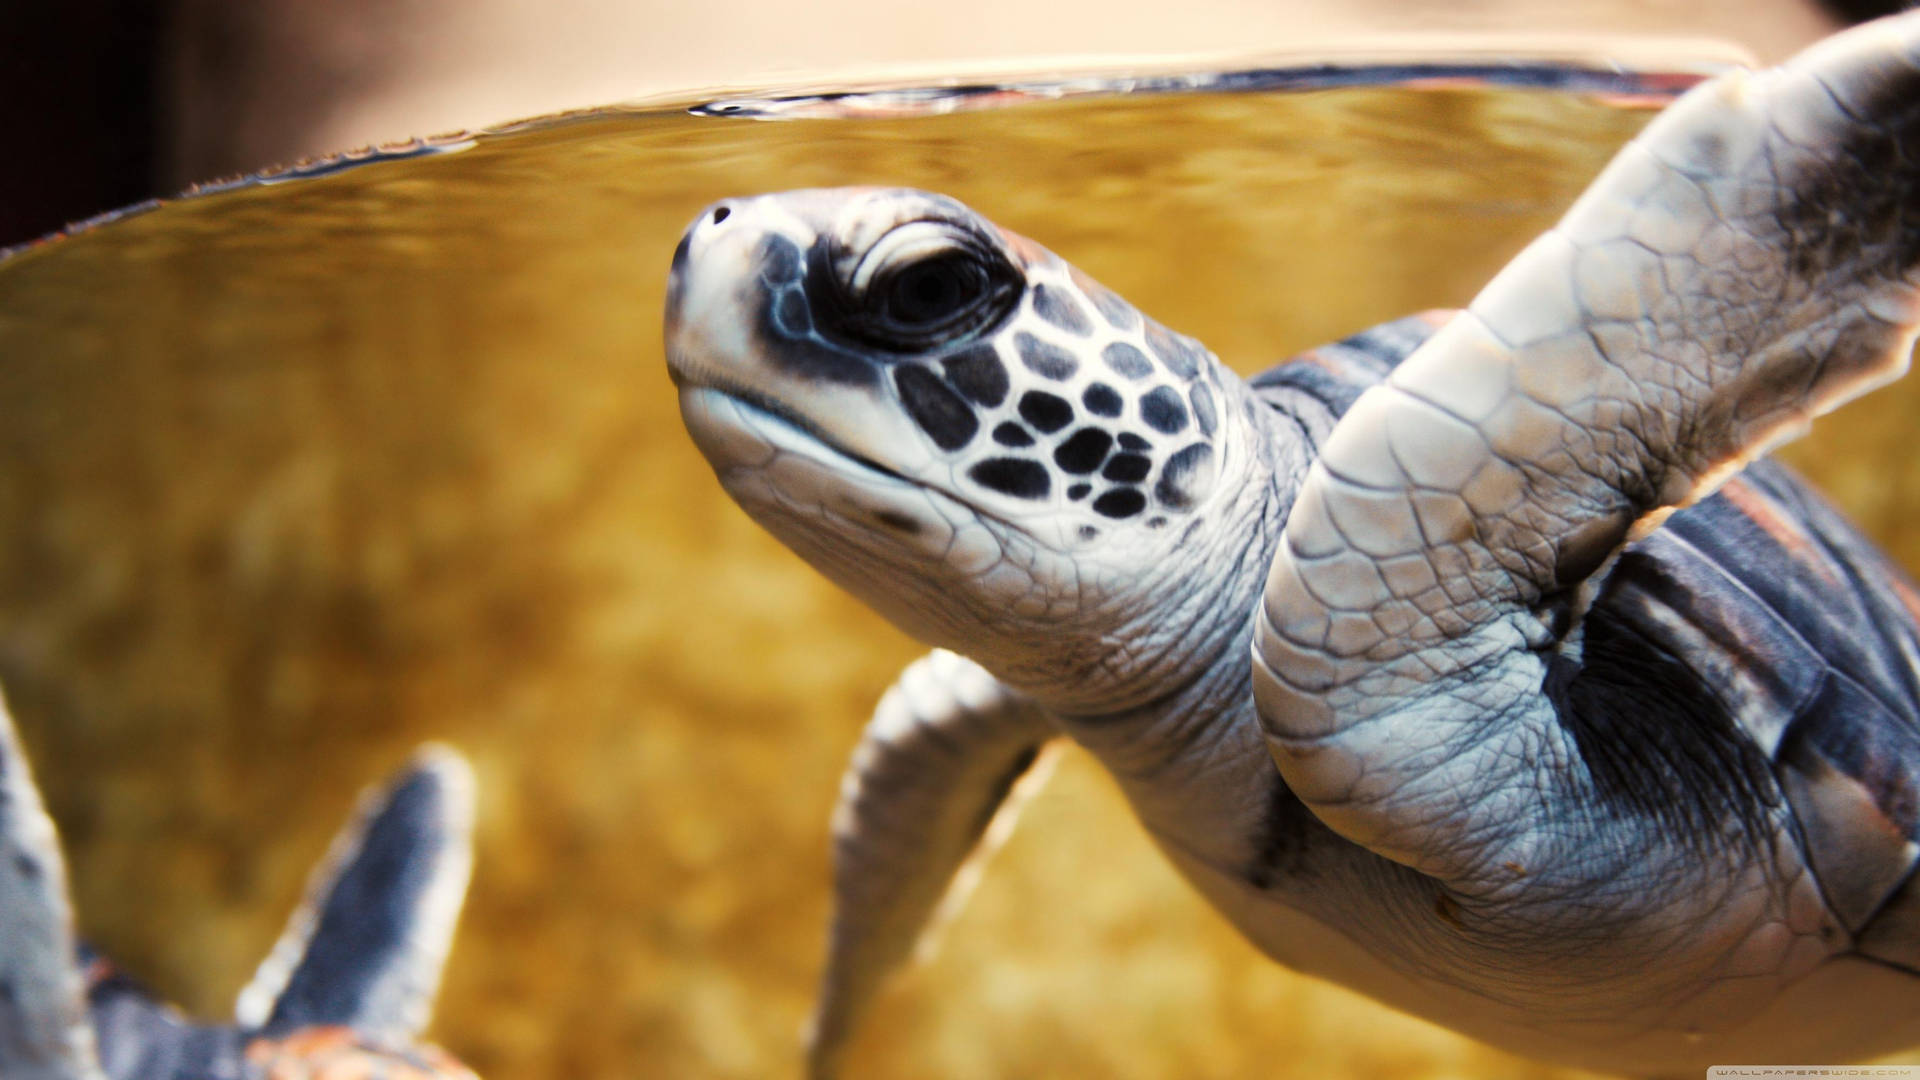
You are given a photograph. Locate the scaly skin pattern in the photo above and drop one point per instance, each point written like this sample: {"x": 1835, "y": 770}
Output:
{"x": 935, "y": 785}
{"x": 1412, "y": 683}
{"x": 1747, "y": 263}
{"x": 1750, "y": 261}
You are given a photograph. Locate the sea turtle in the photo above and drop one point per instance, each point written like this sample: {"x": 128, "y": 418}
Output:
{"x": 1463, "y": 666}
{"x": 344, "y": 995}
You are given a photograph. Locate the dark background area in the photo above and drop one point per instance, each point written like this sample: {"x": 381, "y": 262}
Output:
{"x": 79, "y": 111}
{"x": 97, "y": 97}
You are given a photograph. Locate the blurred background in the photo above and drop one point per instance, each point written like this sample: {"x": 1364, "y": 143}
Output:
{"x": 295, "y": 476}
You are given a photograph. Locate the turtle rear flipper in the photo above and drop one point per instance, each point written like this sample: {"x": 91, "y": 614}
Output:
{"x": 1748, "y": 262}
{"x": 366, "y": 948}
{"x": 45, "y": 1033}
{"x": 935, "y": 786}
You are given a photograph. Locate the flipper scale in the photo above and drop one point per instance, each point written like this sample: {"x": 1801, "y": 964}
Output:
{"x": 1749, "y": 262}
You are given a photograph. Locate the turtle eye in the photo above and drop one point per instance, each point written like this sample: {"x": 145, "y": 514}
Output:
{"x": 932, "y": 291}
{"x": 924, "y": 285}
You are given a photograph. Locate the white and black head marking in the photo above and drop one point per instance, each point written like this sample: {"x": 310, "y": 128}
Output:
{"x": 902, "y": 330}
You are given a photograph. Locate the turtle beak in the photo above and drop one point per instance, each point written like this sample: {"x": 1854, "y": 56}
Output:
{"x": 707, "y": 300}
{"x": 740, "y": 320}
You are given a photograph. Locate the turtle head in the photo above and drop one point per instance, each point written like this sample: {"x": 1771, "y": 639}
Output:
{"x": 997, "y": 453}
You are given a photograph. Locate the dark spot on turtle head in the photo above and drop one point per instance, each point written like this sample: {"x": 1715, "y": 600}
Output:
{"x": 1045, "y": 411}
{"x": 1120, "y": 503}
{"x": 1127, "y": 468}
{"x": 790, "y": 311}
{"x": 1083, "y": 451}
{"x": 1059, "y": 309}
{"x": 1156, "y": 522}
{"x": 27, "y": 867}
{"x": 1088, "y": 532}
{"x": 978, "y": 374}
{"x": 1118, "y": 313}
{"x": 779, "y": 260}
{"x": 897, "y": 521}
{"x": 1018, "y": 477}
{"x": 1079, "y": 491}
{"x": 1043, "y": 359}
{"x": 1163, "y": 411}
{"x": 1126, "y": 360}
{"x": 784, "y": 323}
{"x": 1181, "y": 355}
{"x": 1187, "y": 478}
{"x": 1130, "y": 441}
{"x": 680, "y": 253}
{"x": 1203, "y": 413}
{"x": 1102, "y": 400}
{"x": 939, "y": 411}
{"x": 1012, "y": 434}
{"x": 721, "y": 213}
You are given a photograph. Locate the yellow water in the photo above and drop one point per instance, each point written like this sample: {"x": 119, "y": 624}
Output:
{"x": 293, "y": 477}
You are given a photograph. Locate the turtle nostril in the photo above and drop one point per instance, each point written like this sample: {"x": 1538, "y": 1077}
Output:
{"x": 720, "y": 213}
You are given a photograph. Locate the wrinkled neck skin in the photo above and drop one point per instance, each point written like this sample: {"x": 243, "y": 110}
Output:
{"x": 1166, "y": 704}
{"x": 1163, "y": 629}
{"x": 1186, "y": 747}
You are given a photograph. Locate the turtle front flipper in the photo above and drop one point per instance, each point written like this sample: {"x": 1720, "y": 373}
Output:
{"x": 936, "y": 783}
{"x": 45, "y": 1033}
{"x": 1748, "y": 262}
{"x": 366, "y": 948}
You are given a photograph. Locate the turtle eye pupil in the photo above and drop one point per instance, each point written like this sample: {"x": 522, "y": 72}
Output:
{"x": 924, "y": 284}
{"x": 932, "y": 291}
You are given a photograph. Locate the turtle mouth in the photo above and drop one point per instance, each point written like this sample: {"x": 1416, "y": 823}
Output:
{"x": 762, "y": 410}
{"x": 784, "y": 429}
